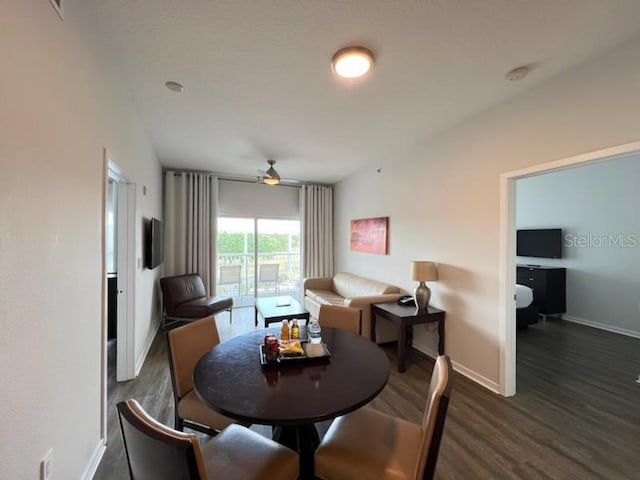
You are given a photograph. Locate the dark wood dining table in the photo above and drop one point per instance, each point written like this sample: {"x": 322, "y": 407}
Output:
{"x": 291, "y": 397}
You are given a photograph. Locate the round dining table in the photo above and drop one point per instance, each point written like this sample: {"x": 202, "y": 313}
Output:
{"x": 291, "y": 396}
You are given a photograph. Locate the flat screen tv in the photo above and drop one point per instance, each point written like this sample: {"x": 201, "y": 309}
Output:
{"x": 543, "y": 243}
{"x": 154, "y": 244}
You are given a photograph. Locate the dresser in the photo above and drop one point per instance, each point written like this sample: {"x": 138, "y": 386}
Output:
{"x": 548, "y": 285}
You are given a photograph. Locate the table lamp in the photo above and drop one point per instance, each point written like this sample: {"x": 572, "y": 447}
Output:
{"x": 421, "y": 272}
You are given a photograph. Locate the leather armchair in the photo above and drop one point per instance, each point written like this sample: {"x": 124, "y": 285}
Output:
{"x": 184, "y": 298}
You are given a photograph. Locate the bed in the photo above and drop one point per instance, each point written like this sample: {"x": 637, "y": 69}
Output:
{"x": 526, "y": 308}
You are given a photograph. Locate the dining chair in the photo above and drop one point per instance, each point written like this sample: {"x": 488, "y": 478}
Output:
{"x": 185, "y": 346}
{"x": 337, "y": 316}
{"x": 371, "y": 444}
{"x": 157, "y": 452}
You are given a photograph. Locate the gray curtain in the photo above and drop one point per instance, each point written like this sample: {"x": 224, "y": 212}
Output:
{"x": 317, "y": 230}
{"x": 190, "y": 206}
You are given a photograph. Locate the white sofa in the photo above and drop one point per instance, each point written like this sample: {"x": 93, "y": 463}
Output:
{"x": 353, "y": 291}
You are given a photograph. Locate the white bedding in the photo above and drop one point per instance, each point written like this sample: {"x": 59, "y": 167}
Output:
{"x": 524, "y": 296}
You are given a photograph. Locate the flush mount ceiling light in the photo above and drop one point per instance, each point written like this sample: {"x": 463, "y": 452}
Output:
{"x": 352, "y": 62}
{"x": 174, "y": 86}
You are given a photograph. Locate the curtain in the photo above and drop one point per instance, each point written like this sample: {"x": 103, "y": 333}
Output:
{"x": 317, "y": 230}
{"x": 190, "y": 232}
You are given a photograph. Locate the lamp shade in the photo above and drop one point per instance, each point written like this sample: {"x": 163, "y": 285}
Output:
{"x": 423, "y": 271}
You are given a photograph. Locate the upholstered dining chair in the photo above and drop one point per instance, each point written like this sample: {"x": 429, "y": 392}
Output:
{"x": 337, "y": 316}
{"x": 371, "y": 444}
{"x": 157, "y": 452}
{"x": 185, "y": 346}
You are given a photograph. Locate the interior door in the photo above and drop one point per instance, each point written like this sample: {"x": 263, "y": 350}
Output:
{"x": 125, "y": 347}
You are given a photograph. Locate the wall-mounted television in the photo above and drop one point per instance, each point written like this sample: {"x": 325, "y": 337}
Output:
{"x": 543, "y": 243}
{"x": 153, "y": 243}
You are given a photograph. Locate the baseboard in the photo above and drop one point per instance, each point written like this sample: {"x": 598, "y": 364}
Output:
{"x": 430, "y": 352}
{"x": 476, "y": 377}
{"x": 146, "y": 349}
{"x": 461, "y": 369}
{"x": 91, "y": 469}
{"x": 601, "y": 326}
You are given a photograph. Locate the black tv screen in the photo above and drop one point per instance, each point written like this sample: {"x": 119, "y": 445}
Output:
{"x": 154, "y": 245}
{"x": 543, "y": 243}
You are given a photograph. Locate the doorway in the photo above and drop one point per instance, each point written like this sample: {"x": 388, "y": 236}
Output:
{"x": 119, "y": 209}
{"x": 508, "y": 250}
{"x": 258, "y": 257}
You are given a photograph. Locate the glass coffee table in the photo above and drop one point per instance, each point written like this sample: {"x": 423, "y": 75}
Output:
{"x": 276, "y": 309}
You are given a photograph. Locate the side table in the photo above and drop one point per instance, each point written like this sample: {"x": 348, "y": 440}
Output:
{"x": 404, "y": 317}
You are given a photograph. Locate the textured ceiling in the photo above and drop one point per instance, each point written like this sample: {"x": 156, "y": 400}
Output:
{"x": 258, "y": 83}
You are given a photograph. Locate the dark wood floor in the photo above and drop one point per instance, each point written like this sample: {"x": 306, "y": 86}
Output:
{"x": 576, "y": 414}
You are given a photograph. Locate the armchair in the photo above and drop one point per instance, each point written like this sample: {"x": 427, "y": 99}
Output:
{"x": 185, "y": 299}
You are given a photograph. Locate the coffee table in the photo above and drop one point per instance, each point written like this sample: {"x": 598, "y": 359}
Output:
{"x": 276, "y": 309}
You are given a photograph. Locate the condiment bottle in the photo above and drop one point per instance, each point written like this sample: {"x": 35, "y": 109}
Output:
{"x": 295, "y": 330}
{"x": 284, "y": 333}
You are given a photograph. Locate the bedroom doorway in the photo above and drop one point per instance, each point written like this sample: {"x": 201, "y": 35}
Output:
{"x": 508, "y": 249}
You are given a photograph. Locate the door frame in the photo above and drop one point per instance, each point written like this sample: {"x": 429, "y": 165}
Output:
{"x": 126, "y": 316}
{"x": 507, "y": 254}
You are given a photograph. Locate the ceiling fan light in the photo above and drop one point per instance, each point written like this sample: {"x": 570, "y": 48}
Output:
{"x": 271, "y": 176}
{"x": 352, "y": 62}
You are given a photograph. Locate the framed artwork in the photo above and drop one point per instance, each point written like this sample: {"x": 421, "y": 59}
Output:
{"x": 369, "y": 235}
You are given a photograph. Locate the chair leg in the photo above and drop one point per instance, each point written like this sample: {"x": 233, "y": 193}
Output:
{"x": 230, "y": 315}
{"x": 179, "y": 424}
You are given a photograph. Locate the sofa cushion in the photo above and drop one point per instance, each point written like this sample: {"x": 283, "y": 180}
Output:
{"x": 349, "y": 285}
{"x": 181, "y": 288}
{"x": 329, "y": 298}
{"x": 202, "y": 307}
{"x": 322, "y": 296}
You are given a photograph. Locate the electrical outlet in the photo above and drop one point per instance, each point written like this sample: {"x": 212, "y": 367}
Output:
{"x": 46, "y": 466}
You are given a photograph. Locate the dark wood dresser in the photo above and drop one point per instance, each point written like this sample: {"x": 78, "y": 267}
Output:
{"x": 548, "y": 285}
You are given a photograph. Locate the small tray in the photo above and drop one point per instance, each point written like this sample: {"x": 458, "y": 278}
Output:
{"x": 324, "y": 353}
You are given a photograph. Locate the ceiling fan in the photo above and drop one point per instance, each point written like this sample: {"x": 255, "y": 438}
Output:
{"x": 270, "y": 177}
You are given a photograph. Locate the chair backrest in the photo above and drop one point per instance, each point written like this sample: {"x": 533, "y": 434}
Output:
{"x": 435, "y": 414}
{"x": 155, "y": 451}
{"x": 268, "y": 272}
{"x": 179, "y": 289}
{"x": 336, "y": 316}
{"x": 186, "y": 345}
{"x": 230, "y": 275}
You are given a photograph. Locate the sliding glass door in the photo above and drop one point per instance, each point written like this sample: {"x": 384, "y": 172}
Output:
{"x": 258, "y": 257}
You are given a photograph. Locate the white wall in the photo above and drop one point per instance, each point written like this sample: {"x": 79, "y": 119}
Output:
{"x": 590, "y": 203}
{"x": 442, "y": 196}
{"x": 58, "y": 109}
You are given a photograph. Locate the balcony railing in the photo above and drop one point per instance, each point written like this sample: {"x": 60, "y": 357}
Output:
{"x": 288, "y": 282}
